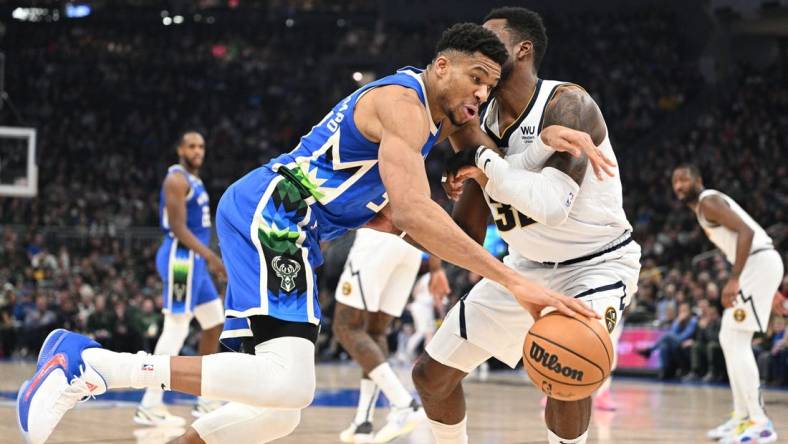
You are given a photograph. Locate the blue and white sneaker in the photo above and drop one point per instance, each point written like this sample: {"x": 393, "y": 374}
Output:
{"x": 61, "y": 380}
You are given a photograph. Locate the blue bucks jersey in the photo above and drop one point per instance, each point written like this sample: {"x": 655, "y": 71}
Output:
{"x": 198, "y": 210}
{"x": 339, "y": 166}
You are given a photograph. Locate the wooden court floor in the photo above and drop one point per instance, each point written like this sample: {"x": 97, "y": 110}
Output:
{"x": 504, "y": 409}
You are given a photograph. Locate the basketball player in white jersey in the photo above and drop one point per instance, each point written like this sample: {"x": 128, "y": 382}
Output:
{"x": 565, "y": 227}
{"x": 372, "y": 291}
{"x": 756, "y": 273}
{"x": 183, "y": 261}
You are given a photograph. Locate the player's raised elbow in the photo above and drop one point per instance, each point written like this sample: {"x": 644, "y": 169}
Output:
{"x": 408, "y": 215}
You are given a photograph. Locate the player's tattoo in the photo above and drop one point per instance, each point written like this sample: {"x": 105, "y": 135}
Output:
{"x": 573, "y": 108}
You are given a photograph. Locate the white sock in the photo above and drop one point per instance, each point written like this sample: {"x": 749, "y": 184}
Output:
{"x": 552, "y": 438}
{"x": 125, "y": 370}
{"x": 367, "y": 397}
{"x": 173, "y": 335}
{"x": 391, "y": 386}
{"x": 448, "y": 433}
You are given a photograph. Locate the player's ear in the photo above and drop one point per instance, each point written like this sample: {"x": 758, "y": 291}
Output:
{"x": 441, "y": 65}
{"x": 524, "y": 49}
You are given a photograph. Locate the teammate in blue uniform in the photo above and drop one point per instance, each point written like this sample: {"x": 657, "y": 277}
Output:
{"x": 363, "y": 164}
{"x": 183, "y": 262}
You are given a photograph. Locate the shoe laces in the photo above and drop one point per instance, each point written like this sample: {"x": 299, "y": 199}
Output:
{"x": 743, "y": 426}
{"x": 77, "y": 391}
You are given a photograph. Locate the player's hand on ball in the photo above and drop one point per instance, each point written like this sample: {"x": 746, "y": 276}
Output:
{"x": 535, "y": 298}
{"x": 729, "y": 292}
{"x": 561, "y": 138}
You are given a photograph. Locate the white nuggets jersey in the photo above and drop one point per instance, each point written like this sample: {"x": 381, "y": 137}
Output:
{"x": 724, "y": 238}
{"x": 597, "y": 218}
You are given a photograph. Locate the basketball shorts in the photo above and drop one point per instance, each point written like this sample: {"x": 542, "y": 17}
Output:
{"x": 379, "y": 273}
{"x": 758, "y": 283}
{"x": 269, "y": 243}
{"x": 186, "y": 281}
{"x": 488, "y": 321}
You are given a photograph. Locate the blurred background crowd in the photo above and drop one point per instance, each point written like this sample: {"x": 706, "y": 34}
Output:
{"x": 109, "y": 94}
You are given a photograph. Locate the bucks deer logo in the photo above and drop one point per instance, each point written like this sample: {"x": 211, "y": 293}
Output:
{"x": 286, "y": 269}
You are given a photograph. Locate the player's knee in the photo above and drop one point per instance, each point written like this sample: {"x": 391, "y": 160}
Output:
{"x": 347, "y": 319}
{"x": 293, "y": 390}
{"x": 430, "y": 380}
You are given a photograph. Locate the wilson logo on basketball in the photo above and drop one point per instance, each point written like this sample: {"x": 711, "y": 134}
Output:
{"x": 550, "y": 362}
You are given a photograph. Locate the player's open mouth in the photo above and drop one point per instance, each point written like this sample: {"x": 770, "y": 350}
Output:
{"x": 470, "y": 111}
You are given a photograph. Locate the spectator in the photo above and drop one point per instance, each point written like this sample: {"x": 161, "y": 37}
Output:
{"x": 773, "y": 361}
{"x": 706, "y": 360}
{"x": 673, "y": 346}
{"x": 101, "y": 323}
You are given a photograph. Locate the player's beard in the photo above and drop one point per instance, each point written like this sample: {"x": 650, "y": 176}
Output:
{"x": 190, "y": 164}
{"x": 691, "y": 196}
{"x": 506, "y": 70}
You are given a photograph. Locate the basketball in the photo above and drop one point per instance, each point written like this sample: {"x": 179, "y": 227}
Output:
{"x": 567, "y": 358}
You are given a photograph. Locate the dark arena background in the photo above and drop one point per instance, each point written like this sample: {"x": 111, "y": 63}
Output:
{"x": 96, "y": 94}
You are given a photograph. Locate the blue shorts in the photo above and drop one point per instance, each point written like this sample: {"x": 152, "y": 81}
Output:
{"x": 270, "y": 247}
{"x": 185, "y": 276}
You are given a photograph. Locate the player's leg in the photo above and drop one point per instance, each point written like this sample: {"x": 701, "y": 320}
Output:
{"x": 236, "y": 422}
{"x": 405, "y": 413}
{"x": 209, "y": 313}
{"x": 349, "y": 327}
{"x": 487, "y": 322}
{"x": 607, "y": 285}
{"x": 603, "y": 400}
{"x": 174, "y": 264}
{"x": 441, "y": 393}
{"x": 280, "y": 375}
{"x": 750, "y": 312}
{"x": 151, "y": 410}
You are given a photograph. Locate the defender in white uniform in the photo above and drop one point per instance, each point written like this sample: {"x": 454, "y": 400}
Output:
{"x": 756, "y": 273}
{"x": 565, "y": 227}
{"x": 373, "y": 289}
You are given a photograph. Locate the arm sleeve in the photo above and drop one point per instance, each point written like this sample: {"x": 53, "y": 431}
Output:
{"x": 546, "y": 196}
{"x": 533, "y": 158}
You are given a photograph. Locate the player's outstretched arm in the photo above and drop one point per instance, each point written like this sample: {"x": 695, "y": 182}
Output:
{"x": 176, "y": 188}
{"x": 403, "y": 130}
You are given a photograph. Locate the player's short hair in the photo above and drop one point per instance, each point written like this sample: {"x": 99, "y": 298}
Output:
{"x": 469, "y": 38}
{"x": 527, "y": 25}
{"x": 182, "y": 136}
{"x": 691, "y": 168}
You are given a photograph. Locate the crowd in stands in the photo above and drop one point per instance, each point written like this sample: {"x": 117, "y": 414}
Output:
{"x": 108, "y": 99}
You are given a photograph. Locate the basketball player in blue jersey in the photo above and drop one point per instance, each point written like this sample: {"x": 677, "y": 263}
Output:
{"x": 183, "y": 261}
{"x": 363, "y": 164}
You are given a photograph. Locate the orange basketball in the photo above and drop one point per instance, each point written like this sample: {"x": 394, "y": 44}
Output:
{"x": 567, "y": 358}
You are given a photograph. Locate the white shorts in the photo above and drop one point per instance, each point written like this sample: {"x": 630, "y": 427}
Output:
{"x": 379, "y": 273}
{"x": 759, "y": 281}
{"x": 488, "y": 321}
{"x": 209, "y": 314}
